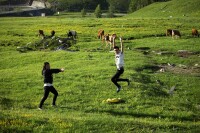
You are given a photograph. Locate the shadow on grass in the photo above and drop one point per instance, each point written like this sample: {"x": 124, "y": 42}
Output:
{"x": 150, "y": 87}
{"x": 132, "y": 114}
{"x": 145, "y": 115}
{"x": 6, "y": 103}
{"x": 136, "y": 114}
{"x": 148, "y": 68}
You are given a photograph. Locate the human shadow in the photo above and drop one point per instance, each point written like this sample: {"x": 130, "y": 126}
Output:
{"x": 149, "y": 85}
{"x": 6, "y": 103}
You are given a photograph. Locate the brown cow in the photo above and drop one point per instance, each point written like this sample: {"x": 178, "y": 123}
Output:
{"x": 100, "y": 34}
{"x": 195, "y": 32}
{"x": 169, "y": 32}
{"x": 176, "y": 33}
{"x": 41, "y": 33}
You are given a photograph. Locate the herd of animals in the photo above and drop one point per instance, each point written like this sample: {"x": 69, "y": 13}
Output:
{"x": 173, "y": 33}
{"x": 110, "y": 38}
{"x": 71, "y": 34}
{"x": 63, "y": 42}
{"x": 169, "y": 32}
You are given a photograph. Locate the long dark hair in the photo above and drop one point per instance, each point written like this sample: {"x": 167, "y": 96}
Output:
{"x": 44, "y": 66}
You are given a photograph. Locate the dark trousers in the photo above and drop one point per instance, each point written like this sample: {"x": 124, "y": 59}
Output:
{"x": 48, "y": 89}
{"x": 116, "y": 78}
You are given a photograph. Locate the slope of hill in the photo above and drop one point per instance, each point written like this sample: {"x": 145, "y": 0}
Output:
{"x": 174, "y": 8}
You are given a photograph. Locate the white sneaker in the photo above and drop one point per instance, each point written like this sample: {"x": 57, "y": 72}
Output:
{"x": 53, "y": 106}
{"x": 39, "y": 108}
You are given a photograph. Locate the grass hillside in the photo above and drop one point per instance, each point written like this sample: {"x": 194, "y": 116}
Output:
{"x": 163, "y": 96}
{"x": 173, "y": 8}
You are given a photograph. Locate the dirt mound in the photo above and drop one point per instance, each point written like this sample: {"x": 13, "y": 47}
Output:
{"x": 167, "y": 67}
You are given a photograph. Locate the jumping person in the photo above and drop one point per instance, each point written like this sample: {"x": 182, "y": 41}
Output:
{"x": 119, "y": 61}
{"x": 48, "y": 86}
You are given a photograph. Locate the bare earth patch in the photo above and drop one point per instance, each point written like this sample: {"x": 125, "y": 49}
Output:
{"x": 181, "y": 69}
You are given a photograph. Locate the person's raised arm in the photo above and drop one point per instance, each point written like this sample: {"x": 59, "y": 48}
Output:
{"x": 122, "y": 49}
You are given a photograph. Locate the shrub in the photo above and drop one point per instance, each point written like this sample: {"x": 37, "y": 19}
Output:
{"x": 83, "y": 12}
{"x": 98, "y": 12}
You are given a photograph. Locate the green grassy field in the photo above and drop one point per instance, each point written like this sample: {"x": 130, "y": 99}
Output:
{"x": 170, "y": 9}
{"x": 85, "y": 84}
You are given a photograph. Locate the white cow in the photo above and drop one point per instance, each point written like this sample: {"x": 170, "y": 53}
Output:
{"x": 72, "y": 34}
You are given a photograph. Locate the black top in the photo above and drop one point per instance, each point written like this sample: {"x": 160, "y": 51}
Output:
{"x": 48, "y": 77}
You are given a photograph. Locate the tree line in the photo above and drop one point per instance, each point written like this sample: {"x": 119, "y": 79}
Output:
{"x": 91, "y": 5}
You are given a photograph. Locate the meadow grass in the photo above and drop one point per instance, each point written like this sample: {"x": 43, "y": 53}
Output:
{"x": 170, "y": 9}
{"x": 86, "y": 81}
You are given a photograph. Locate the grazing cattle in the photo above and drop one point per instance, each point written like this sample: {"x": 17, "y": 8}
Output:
{"x": 100, "y": 34}
{"x": 72, "y": 34}
{"x": 169, "y": 32}
{"x": 52, "y": 33}
{"x": 195, "y": 33}
{"x": 41, "y": 33}
{"x": 110, "y": 40}
{"x": 176, "y": 33}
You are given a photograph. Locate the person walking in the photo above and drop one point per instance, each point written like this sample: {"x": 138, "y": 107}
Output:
{"x": 48, "y": 83}
{"x": 119, "y": 61}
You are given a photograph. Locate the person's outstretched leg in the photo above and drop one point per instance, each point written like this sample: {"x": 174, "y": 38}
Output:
{"x": 124, "y": 80}
{"x": 53, "y": 90}
{"x": 46, "y": 93}
{"x": 115, "y": 78}
{"x": 121, "y": 79}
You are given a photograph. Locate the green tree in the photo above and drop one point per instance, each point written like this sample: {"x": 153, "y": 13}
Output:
{"x": 83, "y": 12}
{"x": 119, "y": 5}
{"x": 12, "y": 2}
{"x": 138, "y": 4}
{"x": 132, "y": 6}
{"x": 98, "y": 12}
{"x": 111, "y": 11}
{"x": 3, "y": 1}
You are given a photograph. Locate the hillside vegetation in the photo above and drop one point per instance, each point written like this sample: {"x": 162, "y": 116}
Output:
{"x": 173, "y": 8}
{"x": 163, "y": 96}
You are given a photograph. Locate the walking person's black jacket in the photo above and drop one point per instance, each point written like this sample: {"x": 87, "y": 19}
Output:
{"x": 48, "y": 77}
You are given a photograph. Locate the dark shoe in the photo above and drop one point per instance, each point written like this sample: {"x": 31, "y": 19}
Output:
{"x": 128, "y": 82}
